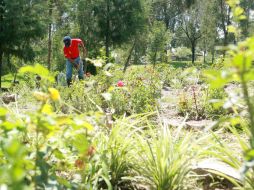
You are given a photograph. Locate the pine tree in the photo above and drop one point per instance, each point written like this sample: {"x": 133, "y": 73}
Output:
{"x": 115, "y": 21}
{"x": 20, "y": 25}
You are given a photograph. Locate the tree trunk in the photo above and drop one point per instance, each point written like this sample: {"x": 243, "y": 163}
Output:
{"x": 49, "y": 45}
{"x": 129, "y": 57}
{"x": 1, "y": 61}
{"x": 193, "y": 49}
{"x": 15, "y": 77}
{"x": 213, "y": 55}
{"x": 204, "y": 56}
{"x": 50, "y": 35}
{"x": 154, "y": 58}
{"x": 107, "y": 34}
{"x": 1, "y": 31}
{"x": 205, "y": 50}
{"x": 223, "y": 15}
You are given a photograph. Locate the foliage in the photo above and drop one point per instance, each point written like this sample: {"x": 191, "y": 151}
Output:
{"x": 144, "y": 87}
{"x": 238, "y": 68}
{"x": 112, "y": 164}
{"x": 23, "y": 16}
{"x": 159, "y": 40}
{"x": 182, "y": 53}
{"x": 165, "y": 159}
{"x": 36, "y": 146}
{"x": 138, "y": 94}
{"x": 201, "y": 103}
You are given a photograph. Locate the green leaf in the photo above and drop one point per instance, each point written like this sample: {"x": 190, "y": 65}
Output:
{"x": 81, "y": 143}
{"x": 249, "y": 155}
{"x": 58, "y": 154}
{"x": 3, "y": 113}
{"x": 63, "y": 181}
{"x": 37, "y": 69}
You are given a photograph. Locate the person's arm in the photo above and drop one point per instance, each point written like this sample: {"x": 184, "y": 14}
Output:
{"x": 84, "y": 48}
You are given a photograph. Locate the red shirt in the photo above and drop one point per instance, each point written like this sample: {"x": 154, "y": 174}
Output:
{"x": 72, "y": 51}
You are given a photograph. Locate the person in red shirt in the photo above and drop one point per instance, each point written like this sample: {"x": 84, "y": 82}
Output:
{"x": 71, "y": 53}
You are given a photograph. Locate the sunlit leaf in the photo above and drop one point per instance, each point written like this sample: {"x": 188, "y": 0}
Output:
{"x": 58, "y": 154}
{"x": 3, "y": 113}
{"x": 41, "y": 96}
{"x": 54, "y": 94}
{"x": 111, "y": 88}
{"x": 47, "y": 109}
{"x": 108, "y": 74}
{"x": 63, "y": 120}
{"x": 232, "y": 29}
{"x": 88, "y": 125}
{"x": 37, "y": 69}
{"x": 80, "y": 142}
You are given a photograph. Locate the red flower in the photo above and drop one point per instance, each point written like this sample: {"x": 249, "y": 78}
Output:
{"x": 120, "y": 83}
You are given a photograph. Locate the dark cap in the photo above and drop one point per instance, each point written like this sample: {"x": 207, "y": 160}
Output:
{"x": 67, "y": 41}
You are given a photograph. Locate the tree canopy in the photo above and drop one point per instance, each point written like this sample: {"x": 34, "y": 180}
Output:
{"x": 34, "y": 29}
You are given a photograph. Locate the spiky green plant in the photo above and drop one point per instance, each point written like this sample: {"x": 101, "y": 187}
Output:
{"x": 112, "y": 165}
{"x": 165, "y": 158}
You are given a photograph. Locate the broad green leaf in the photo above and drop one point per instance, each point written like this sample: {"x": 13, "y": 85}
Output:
{"x": 63, "y": 120}
{"x": 249, "y": 155}
{"x": 47, "y": 109}
{"x": 232, "y": 29}
{"x": 3, "y": 113}
{"x": 58, "y": 154}
{"x": 80, "y": 142}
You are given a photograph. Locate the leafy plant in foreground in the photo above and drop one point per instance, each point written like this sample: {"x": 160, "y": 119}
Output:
{"x": 165, "y": 159}
{"x": 111, "y": 166}
{"x": 239, "y": 68}
{"x": 37, "y": 148}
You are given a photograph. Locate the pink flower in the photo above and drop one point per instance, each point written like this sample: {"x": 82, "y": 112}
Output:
{"x": 120, "y": 83}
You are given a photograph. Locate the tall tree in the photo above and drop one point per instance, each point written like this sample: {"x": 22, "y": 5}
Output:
{"x": 248, "y": 6}
{"x": 117, "y": 21}
{"x": 224, "y": 20}
{"x": 55, "y": 14}
{"x": 167, "y": 11}
{"x": 159, "y": 39}
{"x": 208, "y": 27}
{"x": 50, "y": 12}
{"x": 20, "y": 25}
{"x": 190, "y": 24}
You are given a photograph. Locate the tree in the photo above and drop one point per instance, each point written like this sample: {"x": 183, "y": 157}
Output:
{"x": 159, "y": 39}
{"x": 190, "y": 24}
{"x": 56, "y": 11}
{"x": 116, "y": 21}
{"x": 20, "y": 25}
{"x": 224, "y": 20}
{"x": 208, "y": 27}
{"x": 167, "y": 11}
{"x": 248, "y": 6}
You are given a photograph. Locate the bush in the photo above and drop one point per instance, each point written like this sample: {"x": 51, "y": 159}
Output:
{"x": 183, "y": 53}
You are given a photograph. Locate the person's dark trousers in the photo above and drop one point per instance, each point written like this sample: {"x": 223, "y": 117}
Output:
{"x": 69, "y": 67}
{"x": 68, "y": 82}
